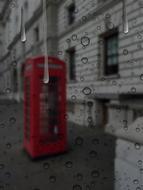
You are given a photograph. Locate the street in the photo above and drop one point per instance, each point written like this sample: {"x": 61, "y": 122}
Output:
{"x": 88, "y": 164}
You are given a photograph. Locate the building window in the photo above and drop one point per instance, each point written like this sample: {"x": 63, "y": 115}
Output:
{"x": 111, "y": 52}
{"x": 71, "y": 63}
{"x": 71, "y": 13}
{"x": 36, "y": 34}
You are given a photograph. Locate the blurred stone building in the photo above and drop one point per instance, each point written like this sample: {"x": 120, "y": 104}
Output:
{"x": 104, "y": 65}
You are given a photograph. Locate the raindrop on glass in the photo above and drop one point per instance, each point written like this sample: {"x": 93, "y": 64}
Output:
{"x": 95, "y": 141}
{"x": 2, "y": 125}
{"x": 85, "y": 41}
{"x": 140, "y": 162}
{"x": 79, "y": 176}
{"x": 84, "y": 60}
{"x": 8, "y": 174}
{"x": 125, "y": 20}
{"x": 23, "y": 33}
{"x": 93, "y": 154}
{"x": 137, "y": 146}
{"x": 7, "y": 90}
{"x": 46, "y": 165}
{"x": 2, "y": 166}
{"x": 74, "y": 37}
{"x": 125, "y": 52}
{"x": 12, "y": 120}
{"x": 52, "y": 179}
{"x": 133, "y": 90}
{"x": 135, "y": 181}
{"x": 8, "y": 145}
{"x": 69, "y": 164}
{"x": 79, "y": 141}
{"x": 86, "y": 91}
{"x": 77, "y": 187}
{"x": 73, "y": 98}
{"x": 95, "y": 174}
{"x": 141, "y": 77}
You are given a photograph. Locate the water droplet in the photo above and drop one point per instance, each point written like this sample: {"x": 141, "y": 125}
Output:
{"x": 84, "y": 60}
{"x": 23, "y": 33}
{"x": 93, "y": 154}
{"x": 8, "y": 145}
{"x": 137, "y": 146}
{"x": 84, "y": 18}
{"x": 79, "y": 176}
{"x": 69, "y": 164}
{"x": 137, "y": 129}
{"x": 7, "y": 90}
{"x": 2, "y": 166}
{"x": 77, "y": 187}
{"x": 68, "y": 40}
{"x": 86, "y": 91}
{"x": 12, "y": 120}
{"x": 133, "y": 90}
{"x": 89, "y": 119}
{"x": 125, "y": 52}
{"x": 95, "y": 141}
{"x": 8, "y": 174}
{"x": 138, "y": 188}
{"x": 87, "y": 187}
{"x": 14, "y": 63}
{"x": 85, "y": 41}
{"x": 79, "y": 141}
{"x": 2, "y": 125}
{"x": 46, "y": 71}
{"x": 141, "y": 170}
{"x": 82, "y": 78}
{"x": 135, "y": 181}
{"x": 114, "y": 82}
{"x": 73, "y": 98}
{"x": 141, "y": 76}
{"x": 140, "y": 162}
{"x": 52, "y": 179}
{"x": 107, "y": 15}
{"x": 125, "y": 20}
{"x": 74, "y": 37}
{"x": 95, "y": 173}
{"x": 46, "y": 165}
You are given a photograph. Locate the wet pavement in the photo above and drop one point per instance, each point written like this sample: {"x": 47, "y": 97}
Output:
{"x": 88, "y": 164}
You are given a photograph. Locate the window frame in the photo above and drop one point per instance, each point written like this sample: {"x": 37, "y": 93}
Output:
{"x": 70, "y": 13}
{"x": 105, "y": 36}
{"x": 69, "y": 52}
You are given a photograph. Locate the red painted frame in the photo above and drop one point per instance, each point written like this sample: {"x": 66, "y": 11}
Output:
{"x": 33, "y": 73}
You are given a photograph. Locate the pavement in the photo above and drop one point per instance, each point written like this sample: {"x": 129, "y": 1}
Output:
{"x": 88, "y": 164}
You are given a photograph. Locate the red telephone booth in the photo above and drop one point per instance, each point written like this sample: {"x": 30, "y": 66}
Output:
{"x": 44, "y": 108}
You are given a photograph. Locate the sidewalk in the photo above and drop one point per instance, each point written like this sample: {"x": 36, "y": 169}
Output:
{"x": 88, "y": 165}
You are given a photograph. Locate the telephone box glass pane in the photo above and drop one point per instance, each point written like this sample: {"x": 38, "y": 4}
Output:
{"x": 49, "y": 110}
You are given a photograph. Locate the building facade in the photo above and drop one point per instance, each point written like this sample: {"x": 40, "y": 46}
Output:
{"x": 104, "y": 65}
